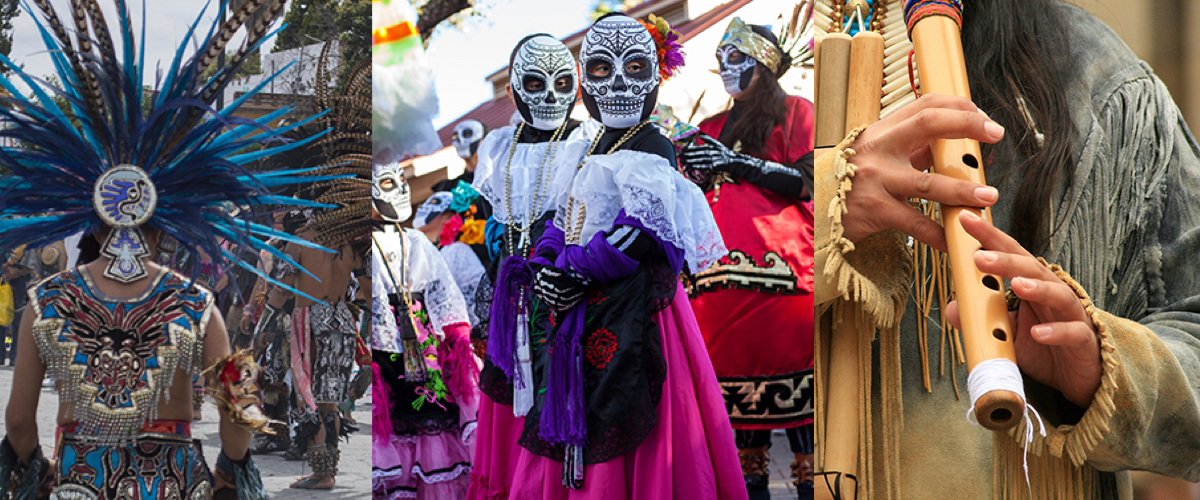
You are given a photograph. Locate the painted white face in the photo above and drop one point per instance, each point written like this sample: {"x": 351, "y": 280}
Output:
{"x": 736, "y": 69}
{"x": 390, "y": 193}
{"x": 467, "y": 135}
{"x": 544, "y": 82}
{"x": 620, "y": 72}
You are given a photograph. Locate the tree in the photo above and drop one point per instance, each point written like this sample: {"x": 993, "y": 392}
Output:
{"x": 602, "y": 7}
{"x": 431, "y": 13}
{"x": 308, "y": 22}
{"x": 354, "y": 22}
{"x": 9, "y": 9}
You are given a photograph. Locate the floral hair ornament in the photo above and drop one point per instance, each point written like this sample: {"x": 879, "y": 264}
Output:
{"x": 670, "y": 50}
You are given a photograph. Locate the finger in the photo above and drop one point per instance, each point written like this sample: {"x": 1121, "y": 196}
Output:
{"x": 989, "y": 236}
{"x": 908, "y": 220}
{"x": 931, "y": 101}
{"x": 952, "y": 314}
{"x": 1064, "y": 334}
{"x": 1052, "y": 296}
{"x": 939, "y": 188}
{"x": 1011, "y": 266}
{"x": 921, "y": 159}
{"x": 929, "y": 124}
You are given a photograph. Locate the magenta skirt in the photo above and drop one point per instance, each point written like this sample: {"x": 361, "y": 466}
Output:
{"x": 689, "y": 455}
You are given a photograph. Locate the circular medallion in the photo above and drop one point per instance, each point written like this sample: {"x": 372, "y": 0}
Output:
{"x": 124, "y": 196}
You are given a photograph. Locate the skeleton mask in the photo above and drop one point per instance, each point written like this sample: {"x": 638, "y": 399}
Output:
{"x": 620, "y": 72}
{"x": 467, "y": 135}
{"x": 736, "y": 69}
{"x": 393, "y": 201}
{"x": 544, "y": 81}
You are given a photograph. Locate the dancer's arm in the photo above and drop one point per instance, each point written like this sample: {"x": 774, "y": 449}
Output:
{"x": 20, "y": 417}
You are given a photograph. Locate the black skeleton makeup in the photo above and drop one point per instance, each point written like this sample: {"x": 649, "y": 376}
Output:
{"x": 620, "y": 72}
{"x": 544, "y": 81}
{"x": 467, "y": 135}
{"x": 389, "y": 192}
{"x": 737, "y": 69}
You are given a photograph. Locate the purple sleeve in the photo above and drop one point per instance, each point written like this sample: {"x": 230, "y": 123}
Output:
{"x": 601, "y": 261}
{"x": 549, "y": 246}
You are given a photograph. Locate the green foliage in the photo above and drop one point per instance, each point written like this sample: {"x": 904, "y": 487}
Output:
{"x": 9, "y": 9}
{"x": 308, "y": 22}
{"x": 602, "y": 7}
{"x": 354, "y": 21}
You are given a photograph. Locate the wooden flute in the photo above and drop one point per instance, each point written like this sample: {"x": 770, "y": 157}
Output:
{"x": 986, "y": 329}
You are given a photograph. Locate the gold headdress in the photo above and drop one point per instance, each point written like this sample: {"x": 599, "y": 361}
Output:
{"x": 752, "y": 44}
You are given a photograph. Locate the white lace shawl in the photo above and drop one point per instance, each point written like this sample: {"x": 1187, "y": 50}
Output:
{"x": 428, "y": 274}
{"x": 467, "y": 271}
{"x": 647, "y": 187}
{"x": 526, "y": 165}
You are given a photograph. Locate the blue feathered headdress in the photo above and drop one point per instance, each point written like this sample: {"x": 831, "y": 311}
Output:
{"x": 192, "y": 153}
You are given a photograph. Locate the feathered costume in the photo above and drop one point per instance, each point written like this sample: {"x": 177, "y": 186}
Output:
{"x": 95, "y": 153}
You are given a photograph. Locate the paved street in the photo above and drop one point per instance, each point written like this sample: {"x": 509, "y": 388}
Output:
{"x": 781, "y": 468}
{"x": 354, "y": 476}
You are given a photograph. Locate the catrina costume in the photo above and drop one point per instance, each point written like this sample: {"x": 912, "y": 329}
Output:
{"x": 425, "y": 389}
{"x": 1123, "y": 239}
{"x": 625, "y": 400}
{"x": 516, "y": 167}
{"x": 755, "y": 305}
{"x": 106, "y": 158}
{"x": 457, "y": 238}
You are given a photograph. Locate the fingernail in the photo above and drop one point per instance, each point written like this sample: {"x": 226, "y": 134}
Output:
{"x": 987, "y": 193}
{"x": 982, "y": 112}
{"x": 988, "y": 257}
{"x": 1040, "y": 331}
{"x": 993, "y": 129}
{"x": 1019, "y": 283}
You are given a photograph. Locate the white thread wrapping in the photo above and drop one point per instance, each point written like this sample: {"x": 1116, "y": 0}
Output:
{"x": 523, "y": 384}
{"x": 1002, "y": 374}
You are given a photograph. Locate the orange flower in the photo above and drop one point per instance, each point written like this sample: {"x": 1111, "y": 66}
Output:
{"x": 471, "y": 232}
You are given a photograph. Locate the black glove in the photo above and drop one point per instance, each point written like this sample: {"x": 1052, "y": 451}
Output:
{"x": 793, "y": 181}
{"x": 558, "y": 288}
{"x": 631, "y": 241}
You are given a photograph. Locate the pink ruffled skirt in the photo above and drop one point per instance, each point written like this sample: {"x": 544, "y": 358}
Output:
{"x": 689, "y": 455}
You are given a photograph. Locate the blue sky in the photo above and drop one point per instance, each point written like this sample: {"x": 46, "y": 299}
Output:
{"x": 462, "y": 58}
{"x": 167, "y": 24}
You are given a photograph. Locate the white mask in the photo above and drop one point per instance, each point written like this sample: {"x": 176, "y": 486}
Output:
{"x": 736, "y": 69}
{"x": 467, "y": 135}
{"x": 541, "y": 62}
{"x": 394, "y": 203}
{"x": 620, "y": 98}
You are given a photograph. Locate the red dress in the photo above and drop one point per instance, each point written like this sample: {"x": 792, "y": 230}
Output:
{"x": 755, "y": 306}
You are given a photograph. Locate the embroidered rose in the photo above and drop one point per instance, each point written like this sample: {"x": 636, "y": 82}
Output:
{"x": 599, "y": 347}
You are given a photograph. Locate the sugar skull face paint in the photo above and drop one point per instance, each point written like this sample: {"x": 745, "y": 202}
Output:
{"x": 736, "y": 69}
{"x": 390, "y": 193}
{"x": 467, "y": 135}
{"x": 545, "y": 81}
{"x": 620, "y": 66}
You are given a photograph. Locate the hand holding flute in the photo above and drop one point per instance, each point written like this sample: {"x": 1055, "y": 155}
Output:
{"x": 1054, "y": 340}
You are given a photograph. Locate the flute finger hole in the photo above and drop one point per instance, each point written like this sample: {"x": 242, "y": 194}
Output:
{"x": 1000, "y": 335}
{"x": 991, "y": 282}
{"x": 971, "y": 161}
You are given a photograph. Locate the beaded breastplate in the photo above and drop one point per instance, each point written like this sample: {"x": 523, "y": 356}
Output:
{"x": 115, "y": 359}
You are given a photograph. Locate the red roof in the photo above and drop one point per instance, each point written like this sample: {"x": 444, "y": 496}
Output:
{"x": 492, "y": 114}
{"x": 495, "y": 113}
